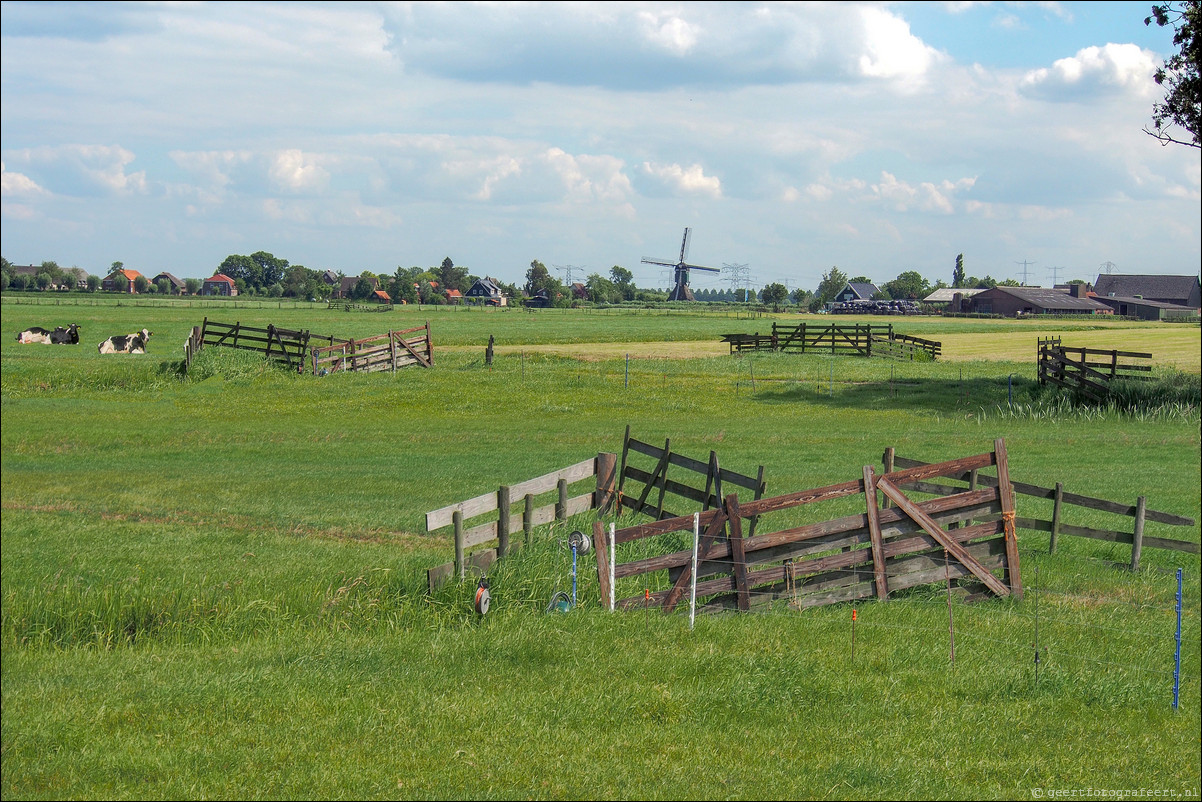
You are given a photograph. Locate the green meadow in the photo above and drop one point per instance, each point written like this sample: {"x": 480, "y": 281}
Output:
{"x": 214, "y": 584}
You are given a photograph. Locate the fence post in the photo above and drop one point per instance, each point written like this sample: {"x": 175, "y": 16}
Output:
{"x": 502, "y": 521}
{"x": 457, "y": 518}
{"x": 561, "y": 503}
{"x": 527, "y": 519}
{"x": 888, "y": 462}
{"x": 606, "y": 480}
{"x": 1059, "y": 500}
{"x": 1137, "y": 539}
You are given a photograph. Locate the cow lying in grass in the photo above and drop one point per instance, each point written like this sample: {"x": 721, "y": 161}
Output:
{"x": 125, "y": 343}
{"x": 60, "y": 336}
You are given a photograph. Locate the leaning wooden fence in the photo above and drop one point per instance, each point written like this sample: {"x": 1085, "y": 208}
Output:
{"x": 1135, "y": 535}
{"x": 283, "y": 345}
{"x": 655, "y": 485}
{"x": 381, "y": 352}
{"x": 1088, "y": 371}
{"x": 831, "y": 338}
{"x": 873, "y": 553}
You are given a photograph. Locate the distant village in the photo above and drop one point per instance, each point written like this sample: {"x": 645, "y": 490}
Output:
{"x": 1147, "y": 297}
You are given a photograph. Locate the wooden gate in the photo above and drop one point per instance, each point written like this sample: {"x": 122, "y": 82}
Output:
{"x": 382, "y": 352}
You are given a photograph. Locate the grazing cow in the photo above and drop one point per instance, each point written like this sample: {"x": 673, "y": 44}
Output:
{"x": 125, "y": 343}
{"x": 37, "y": 334}
{"x": 67, "y": 336}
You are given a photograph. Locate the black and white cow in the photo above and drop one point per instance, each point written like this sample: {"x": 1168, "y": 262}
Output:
{"x": 125, "y": 343}
{"x": 67, "y": 336}
{"x": 59, "y": 336}
{"x": 37, "y": 334}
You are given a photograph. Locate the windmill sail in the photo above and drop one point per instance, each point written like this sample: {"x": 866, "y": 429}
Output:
{"x": 681, "y": 291}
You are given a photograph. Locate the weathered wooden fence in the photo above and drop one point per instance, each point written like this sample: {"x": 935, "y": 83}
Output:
{"x": 1055, "y": 525}
{"x": 382, "y": 352}
{"x": 352, "y": 306}
{"x": 1087, "y": 371}
{"x": 874, "y": 553}
{"x": 283, "y": 345}
{"x": 656, "y": 486}
{"x": 535, "y": 506}
{"x": 862, "y": 339}
{"x": 193, "y": 346}
{"x": 548, "y": 498}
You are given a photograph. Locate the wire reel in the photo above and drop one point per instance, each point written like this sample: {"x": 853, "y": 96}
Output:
{"x": 580, "y": 542}
{"x": 482, "y": 596}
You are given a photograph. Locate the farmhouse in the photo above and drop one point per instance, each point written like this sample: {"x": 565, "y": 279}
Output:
{"x": 454, "y": 296}
{"x": 113, "y": 281}
{"x": 488, "y": 291}
{"x": 856, "y": 291}
{"x": 329, "y": 278}
{"x": 1018, "y": 301}
{"x": 220, "y": 284}
{"x": 347, "y": 285}
{"x": 382, "y": 297}
{"x": 175, "y": 286}
{"x": 1179, "y": 290}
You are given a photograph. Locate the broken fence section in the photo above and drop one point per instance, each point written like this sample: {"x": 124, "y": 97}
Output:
{"x": 869, "y": 554}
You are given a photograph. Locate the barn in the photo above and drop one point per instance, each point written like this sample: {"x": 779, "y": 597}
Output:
{"x": 856, "y": 291}
{"x": 120, "y": 281}
{"x": 1145, "y": 309}
{"x": 1179, "y": 290}
{"x": 1019, "y": 301}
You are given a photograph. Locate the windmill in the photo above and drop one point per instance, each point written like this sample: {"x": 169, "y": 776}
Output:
{"x": 681, "y": 291}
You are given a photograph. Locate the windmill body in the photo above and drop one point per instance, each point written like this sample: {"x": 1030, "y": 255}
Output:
{"x": 681, "y": 291}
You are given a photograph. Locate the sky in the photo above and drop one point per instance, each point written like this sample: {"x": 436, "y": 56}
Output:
{"x": 790, "y": 138}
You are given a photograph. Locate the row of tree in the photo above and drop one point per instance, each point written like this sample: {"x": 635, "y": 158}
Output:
{"x": 262, "y": 273}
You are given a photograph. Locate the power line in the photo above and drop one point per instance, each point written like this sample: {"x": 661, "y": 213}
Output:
{"x": 568, "y": 271}
{"x": 1055, "y": 274}
{"x": 1024, "y": 263}
{"x": 1108, "y": 267}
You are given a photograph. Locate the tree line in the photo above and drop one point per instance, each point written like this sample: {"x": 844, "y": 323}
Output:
{"x": 264, "y": 274}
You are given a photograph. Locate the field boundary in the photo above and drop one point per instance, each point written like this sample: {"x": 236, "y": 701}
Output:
{"x": 1073, "y": 369}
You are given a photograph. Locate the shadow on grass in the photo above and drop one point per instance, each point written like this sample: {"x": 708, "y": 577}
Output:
{"x": 936, "y": 395}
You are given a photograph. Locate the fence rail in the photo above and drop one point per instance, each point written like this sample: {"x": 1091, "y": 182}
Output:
{"x": 1088, "y": 371}
{"x": 1056, "y": 526}
{"x": 284, "y": 345}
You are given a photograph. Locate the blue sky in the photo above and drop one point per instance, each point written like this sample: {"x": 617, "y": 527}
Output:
{"x": 875, "y": 137}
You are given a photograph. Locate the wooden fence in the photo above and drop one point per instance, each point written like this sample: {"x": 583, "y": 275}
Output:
{"x": 649, "y": 500}
{"x": 532, "y": 498}
{"x": 1087, "y": 371}
{"x": 874, "y": 553}
{"x": 352, "y": 306}
{"x": 547, "y": 498}
{"x": 381, "y": 352}
{"x": 284, "y": 345}
{"x": 1056, "y": 526}
{"x": 860, "y": 339}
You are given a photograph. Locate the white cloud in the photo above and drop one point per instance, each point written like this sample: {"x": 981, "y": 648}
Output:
{"x": 667, "y": 30}
{"x": 890, "y": 50}
{"x": 690, "y": 180}
{"x": 18, "y": 184}
{"x": 293, "y": 171}
{"x": 1093, "y": 71}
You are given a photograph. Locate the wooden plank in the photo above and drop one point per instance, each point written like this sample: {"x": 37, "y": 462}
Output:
{"x": 950, "y": 468}
{"x": 935, "y": 531}
{"x": 437, "y": 519}
{"x": 1013, "y": 575}
{"x": 736, "y": 551}
{"x": 715, "y": 527}
{"x": 601, "y": 549}
{"x": 874, "y": 532}
{"x": 548, "y": 482}
{"x": 1075, "y": 499}
{"x": 481, "y": 533}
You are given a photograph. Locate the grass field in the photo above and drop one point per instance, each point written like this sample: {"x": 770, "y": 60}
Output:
{"x": 215, "y": 586}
